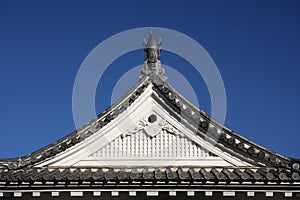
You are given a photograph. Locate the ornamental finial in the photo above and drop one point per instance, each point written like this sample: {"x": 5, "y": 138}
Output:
{"x": 152, "y": 65}
{"x": 152, "y": 48}
{"x": 152, "y": 42}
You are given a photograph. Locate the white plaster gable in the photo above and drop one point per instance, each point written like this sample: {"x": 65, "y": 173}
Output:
{"x": 144, "y": 135}
{"x": 146, "y": 144}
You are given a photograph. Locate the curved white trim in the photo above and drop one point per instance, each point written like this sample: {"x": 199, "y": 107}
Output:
{"x": 142, "y": 107}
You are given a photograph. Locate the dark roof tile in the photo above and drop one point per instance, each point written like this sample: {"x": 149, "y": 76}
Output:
{"x": 187, "y": 174}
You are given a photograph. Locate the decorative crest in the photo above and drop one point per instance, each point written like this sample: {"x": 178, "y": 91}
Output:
{"x": 152, "y": 42}
{"x": 152, "y": 65}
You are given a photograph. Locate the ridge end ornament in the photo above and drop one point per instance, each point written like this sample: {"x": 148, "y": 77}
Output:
{"x": 153, "y": 129}
{"x": 152, "y": 65}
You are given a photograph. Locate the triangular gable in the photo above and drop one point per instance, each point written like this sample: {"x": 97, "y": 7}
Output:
{"x": 145, "y": 135}
{"x": 75, "y": 149}
{"x": 146, "y": 145}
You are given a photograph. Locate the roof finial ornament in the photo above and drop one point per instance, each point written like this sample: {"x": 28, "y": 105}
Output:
{"x": 152, "y": 66}
{"x": 152, "y": 43}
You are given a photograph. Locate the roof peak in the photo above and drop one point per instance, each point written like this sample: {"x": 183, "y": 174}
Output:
{"x": 152, "y": 66}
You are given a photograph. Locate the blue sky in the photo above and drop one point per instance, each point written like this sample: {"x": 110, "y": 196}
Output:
{"x": 255, "y": 45}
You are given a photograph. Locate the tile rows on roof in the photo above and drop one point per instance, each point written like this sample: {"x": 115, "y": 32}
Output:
{"x": 152, "y": 175}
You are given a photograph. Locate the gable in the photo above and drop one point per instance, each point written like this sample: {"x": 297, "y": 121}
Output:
{"x": 146, "y": 145}
{"x": 137, "y": 105}
{"x": 145, "y": 135}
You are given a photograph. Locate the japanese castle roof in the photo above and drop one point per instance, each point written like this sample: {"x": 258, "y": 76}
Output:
{"x": 226, "y": 157}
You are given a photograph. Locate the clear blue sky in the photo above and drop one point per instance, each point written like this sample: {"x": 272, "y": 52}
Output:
{"x": 255, "y": 44}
